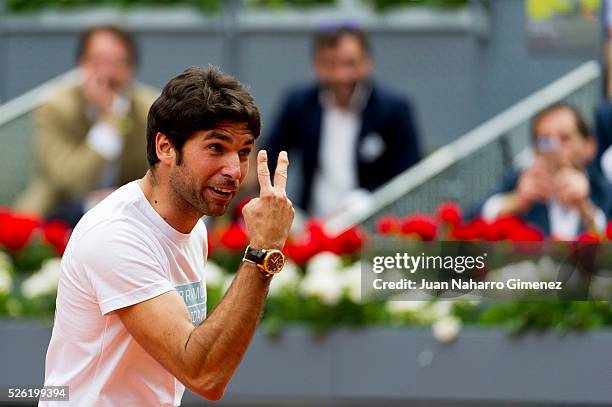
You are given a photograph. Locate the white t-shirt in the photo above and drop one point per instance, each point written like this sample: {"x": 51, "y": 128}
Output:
{"x": 121, "y": 253}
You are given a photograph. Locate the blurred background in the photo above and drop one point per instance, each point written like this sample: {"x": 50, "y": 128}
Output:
{"x": 480, "y": 51}
{"x": 473, "y": 73}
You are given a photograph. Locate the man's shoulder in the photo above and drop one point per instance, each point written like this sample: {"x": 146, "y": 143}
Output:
{"x": 116, "y": 212}
{"x": 302, "y": 94}
{"x": 387, "y": 96}
{"x": 64, "y": 99}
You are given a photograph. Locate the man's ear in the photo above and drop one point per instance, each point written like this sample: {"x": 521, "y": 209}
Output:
{"x": 164, "y": 149}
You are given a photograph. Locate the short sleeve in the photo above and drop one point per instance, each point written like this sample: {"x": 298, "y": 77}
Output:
{"x": 123, "y": 266}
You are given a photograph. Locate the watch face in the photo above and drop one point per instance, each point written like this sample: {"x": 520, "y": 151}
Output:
{"x": 274, "y": 262}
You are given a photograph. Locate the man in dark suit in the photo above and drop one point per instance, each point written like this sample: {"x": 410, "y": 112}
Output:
{"x": 560, "y": 192}
{"x": 603, "y": 131}
{"x": 352, "y": 134}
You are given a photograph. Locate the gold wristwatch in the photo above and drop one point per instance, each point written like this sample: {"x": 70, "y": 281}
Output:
{"x": 269, "y": 261}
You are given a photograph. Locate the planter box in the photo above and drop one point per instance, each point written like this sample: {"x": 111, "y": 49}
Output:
{"x": 391, "y": 366}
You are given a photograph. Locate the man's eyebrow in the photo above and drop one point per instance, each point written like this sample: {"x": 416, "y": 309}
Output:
{"x": 218, "y": 136}
{"x": 226, "y": 138}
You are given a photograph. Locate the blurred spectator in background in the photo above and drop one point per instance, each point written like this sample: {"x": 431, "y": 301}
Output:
{"x": 559, "y": 193}
{"x": 603, "y": 131}
{"x": 352, "y": 135}
{"x": 607, "y": 48}
{"x": 89, "y": 136}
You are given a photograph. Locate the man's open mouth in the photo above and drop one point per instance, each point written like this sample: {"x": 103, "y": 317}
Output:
{"x": 223, "y": 191}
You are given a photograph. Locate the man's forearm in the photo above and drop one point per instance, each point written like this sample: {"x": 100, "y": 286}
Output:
{"x": 215, "y": 348}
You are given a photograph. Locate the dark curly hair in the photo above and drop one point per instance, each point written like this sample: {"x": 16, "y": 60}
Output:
{"x": 195, "y": 100}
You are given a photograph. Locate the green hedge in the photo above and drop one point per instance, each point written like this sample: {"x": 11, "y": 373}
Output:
{"x": 211, "y": 6}
{"x": 207, "y": 6}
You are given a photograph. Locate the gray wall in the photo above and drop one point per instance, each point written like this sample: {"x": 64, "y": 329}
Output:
{"x": 455, "y": 78}
{"x": 382, "y": 367}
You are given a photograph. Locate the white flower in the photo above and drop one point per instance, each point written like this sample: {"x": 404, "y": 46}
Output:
{"x": 6, "y": 282}
{"x": 440, "y": 309}
{"x": 44, "y": 281}
{"x": 325, "y": 284}
{"x": 351, "y": 283}
{"x": 214, "y": 276}
{"x": 549, "y": 270}
{"x": 402, "y": 306}
{"x": 288, "y": 278}
{"x": 326, "y": 261}
{"x": 446, "y": 329}
{"x": 601, "y": 286}
{"x": 524, "y": 270}
{"x": 323, "y": 279}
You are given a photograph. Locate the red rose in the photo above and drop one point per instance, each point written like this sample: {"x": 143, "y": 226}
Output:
{"x": 16, "y": 230}
{"x": 449, "y": 212}
{"x": 389, "y": 224}
{"x": 421, "y": 225}
{"x": 512, "y": 228}
{"x": 349, "y": 241}
{"x": 313, "y": 242}
{"x": 609, "y": 230}
{"x": 300, "y": 253}
{"x": 527, "y": 233}
{"x": 589, "y": 237}
{"x": 316, "y": 233}
{"x": 502, "y": 228}
{"x": 234, "y": 237}
{"x": 56, "y": 233}
{"x": 473, "y": 230}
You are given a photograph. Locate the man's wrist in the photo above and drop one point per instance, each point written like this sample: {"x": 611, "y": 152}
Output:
{"x": 253, "y": 269}
{"x": 260, "y": 245}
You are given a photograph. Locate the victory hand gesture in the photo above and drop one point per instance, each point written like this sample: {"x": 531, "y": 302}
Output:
{"x": 268, "y": 218}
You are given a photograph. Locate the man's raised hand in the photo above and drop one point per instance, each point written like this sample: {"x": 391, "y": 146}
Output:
{"x": 268, "y": 218}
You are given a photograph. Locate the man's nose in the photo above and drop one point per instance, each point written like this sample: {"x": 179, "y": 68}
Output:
{"x": 231, "y": 167}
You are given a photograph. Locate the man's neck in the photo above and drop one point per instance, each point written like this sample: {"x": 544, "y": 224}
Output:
{"x": 175, "y": 211}
{"x": 355, "y": 102}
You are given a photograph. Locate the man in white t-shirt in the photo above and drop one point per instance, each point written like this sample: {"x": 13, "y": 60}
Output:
{"x": 129, "y": 327}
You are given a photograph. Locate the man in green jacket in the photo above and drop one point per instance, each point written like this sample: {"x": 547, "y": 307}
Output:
{"x": 89, "y": 136}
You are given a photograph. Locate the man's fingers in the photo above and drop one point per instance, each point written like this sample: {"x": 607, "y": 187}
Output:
{"x": 280, "y": 175}
{"x": 263, "y": 173}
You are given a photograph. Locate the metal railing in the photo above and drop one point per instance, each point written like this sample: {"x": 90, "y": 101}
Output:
{"x": 469, "y": 168}
{"x": 16, "y": 129}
